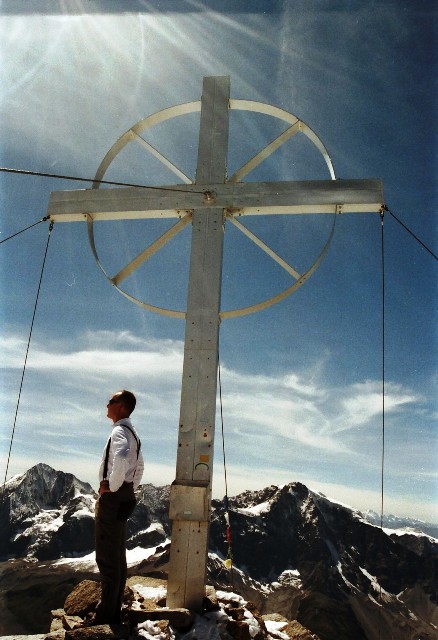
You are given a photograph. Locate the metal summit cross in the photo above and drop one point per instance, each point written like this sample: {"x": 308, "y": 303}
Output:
{"x": 207, "y": 204}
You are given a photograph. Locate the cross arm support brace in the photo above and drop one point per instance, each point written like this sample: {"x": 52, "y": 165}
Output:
{"x": 238, "y": 198}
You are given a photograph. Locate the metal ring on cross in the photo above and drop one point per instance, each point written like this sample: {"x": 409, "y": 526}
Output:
{"x": 133, "y": 134}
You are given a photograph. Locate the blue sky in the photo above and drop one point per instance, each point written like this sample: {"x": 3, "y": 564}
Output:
{"x": 302, "y": 381}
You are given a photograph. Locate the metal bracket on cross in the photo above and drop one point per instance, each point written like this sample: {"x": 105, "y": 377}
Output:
{"x": 206, "y": 204}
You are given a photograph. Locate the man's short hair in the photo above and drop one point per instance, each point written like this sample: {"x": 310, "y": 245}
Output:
{"x": 128, "y": 399}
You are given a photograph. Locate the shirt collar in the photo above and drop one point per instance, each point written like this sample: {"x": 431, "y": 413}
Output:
{"x": 123, "y": 421}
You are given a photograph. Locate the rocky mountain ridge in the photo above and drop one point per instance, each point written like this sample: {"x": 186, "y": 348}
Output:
{"x": 45, "y": 514}
{"x": 48, "y": 514}
{"x": 295, "y": 552}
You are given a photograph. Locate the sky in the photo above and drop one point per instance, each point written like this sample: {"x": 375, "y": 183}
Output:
{"x": 302, "y": 381}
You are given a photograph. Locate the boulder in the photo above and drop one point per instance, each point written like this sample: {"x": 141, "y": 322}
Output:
{"x": 56, "y": 620}
{"x": 238, "y": 629}
{"x": 71, "y": 622}
{"x": 99, "y": 632}
{"x": 211, "y": 602}
{"x": 178, "y": 618}
{"x": 83, "y": 599}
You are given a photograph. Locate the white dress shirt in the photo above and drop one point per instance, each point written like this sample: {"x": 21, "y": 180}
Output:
{"x": 123, "y": 463}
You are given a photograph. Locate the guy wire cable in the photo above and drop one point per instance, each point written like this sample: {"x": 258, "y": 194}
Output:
{"x": 229, "y": 560}
{"x": 42, "y": 174}
{"x": 411, "y": 233}
{"x": 222, "y": 425}
{"x": 382, "y": 470}
{"x": 25, "y": 229}
{"x": 383, "y": 365}
{"x": 27, "y": 351}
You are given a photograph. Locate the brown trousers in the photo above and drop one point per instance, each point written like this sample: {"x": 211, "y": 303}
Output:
{"x": 111, "y": 513}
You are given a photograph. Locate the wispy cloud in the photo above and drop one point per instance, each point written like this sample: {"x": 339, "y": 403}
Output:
{"x": 316, "y": 415}
{"x": 105, "y": 353}
{"x": 362, "y": 402}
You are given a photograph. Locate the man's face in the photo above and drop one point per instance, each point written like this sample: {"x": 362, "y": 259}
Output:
{"x": 114, "y": 408}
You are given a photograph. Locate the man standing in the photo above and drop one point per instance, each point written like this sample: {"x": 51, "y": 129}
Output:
{"x": 119, "y": 475}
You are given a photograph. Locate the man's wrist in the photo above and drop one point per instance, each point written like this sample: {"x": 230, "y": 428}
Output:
{"x": 104, "y": 487}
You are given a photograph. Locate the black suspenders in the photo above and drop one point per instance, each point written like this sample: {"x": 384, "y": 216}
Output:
{"x": 135, "y": 438}
{"x": 105, "y": 467}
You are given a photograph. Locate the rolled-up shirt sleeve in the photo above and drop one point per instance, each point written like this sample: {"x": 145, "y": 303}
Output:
{"x": 120, "y": 461}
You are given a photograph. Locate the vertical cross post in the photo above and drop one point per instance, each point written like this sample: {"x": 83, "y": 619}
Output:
{"x": 190, "y": 495}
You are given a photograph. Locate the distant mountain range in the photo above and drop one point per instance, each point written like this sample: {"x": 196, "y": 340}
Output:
{"x": 296, "y": 553}
{"x": 410, "y": 525}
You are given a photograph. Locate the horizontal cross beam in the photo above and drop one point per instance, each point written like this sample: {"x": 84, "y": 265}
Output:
{"x": 238, "y": 198}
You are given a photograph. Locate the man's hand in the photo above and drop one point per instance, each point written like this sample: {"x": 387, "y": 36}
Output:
{"x": 104, "y": 487}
